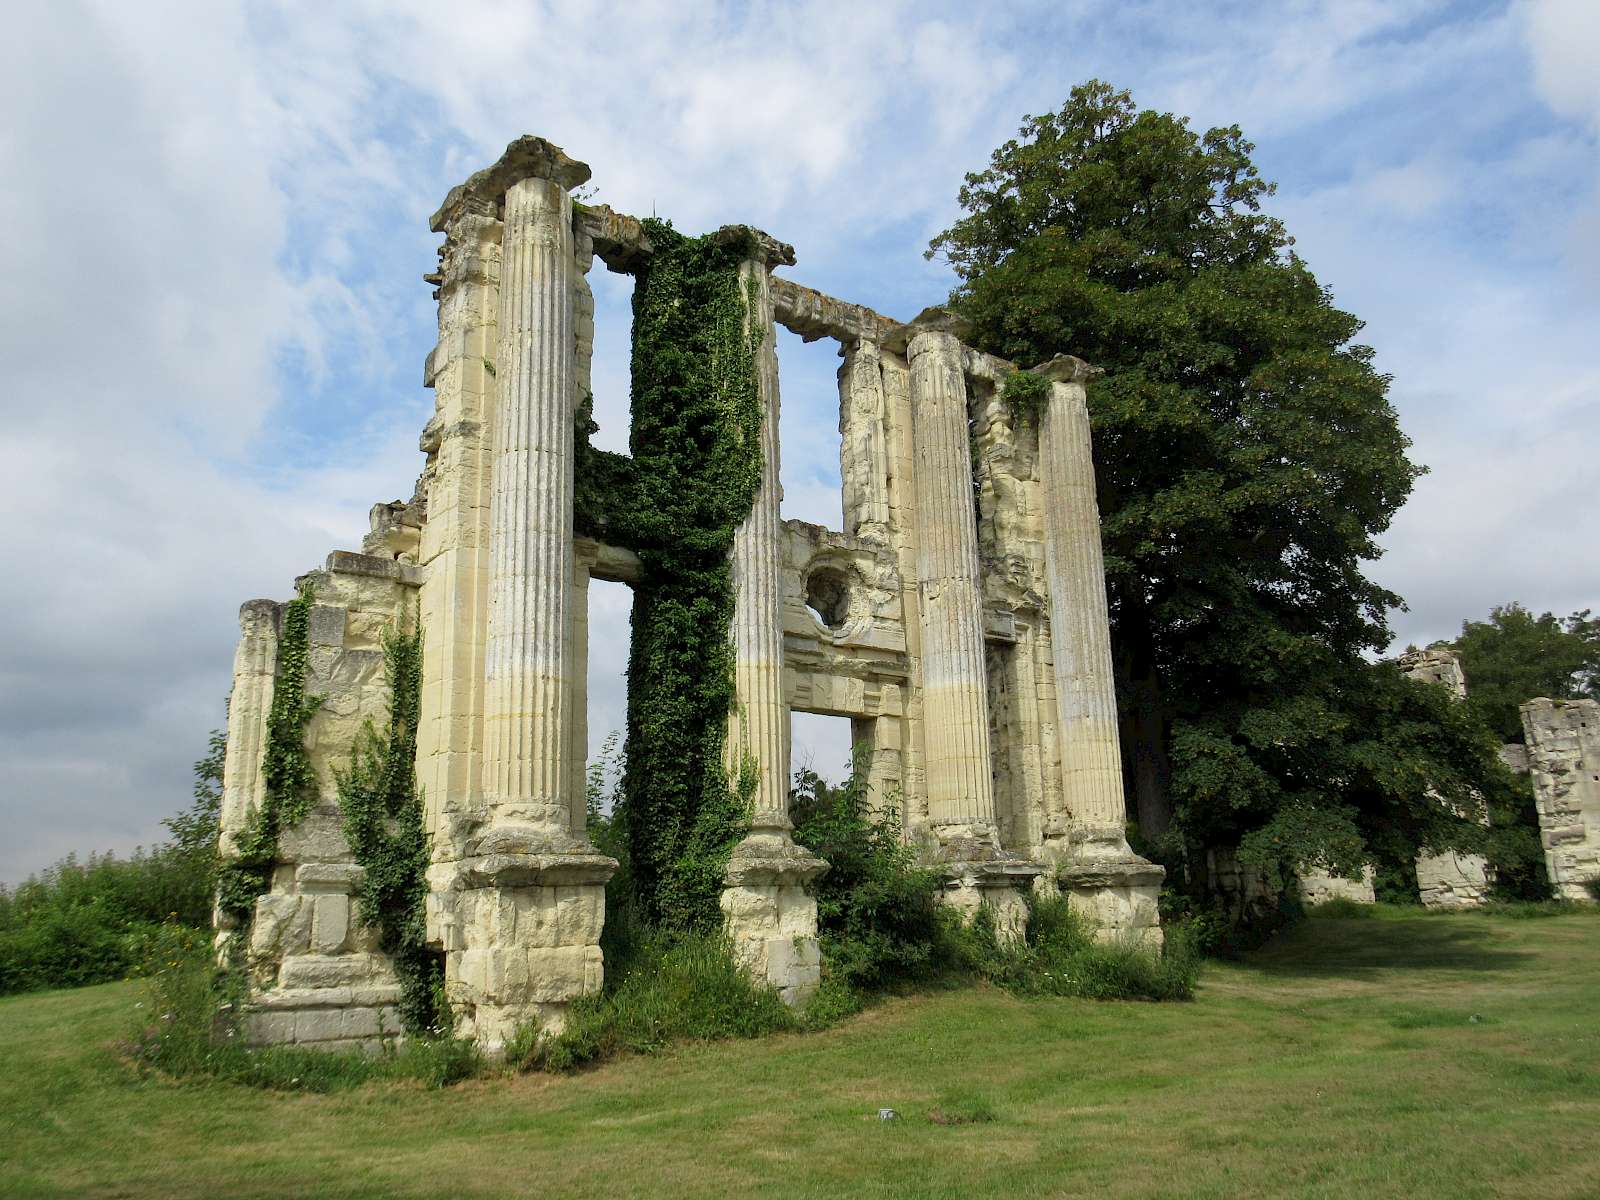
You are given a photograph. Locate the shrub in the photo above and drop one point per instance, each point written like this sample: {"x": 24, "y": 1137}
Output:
{"x": 78, "y": 923}
{"x": 879, "y": 919}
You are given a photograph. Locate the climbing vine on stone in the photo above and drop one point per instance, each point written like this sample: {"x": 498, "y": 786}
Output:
{"x": 1025, "y": 395}
{"x": 289, "y": 780}
{"x": 383, "y": 822}
{"x": 692, "y": 478}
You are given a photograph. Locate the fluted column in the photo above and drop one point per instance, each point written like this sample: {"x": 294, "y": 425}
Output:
{"x": 770, "y": 918}
{"x": 758, "y": 729}
{"x": 1086, "y": 695}
{"x": 527, "y": 701}
{"x": 954, "y": 687}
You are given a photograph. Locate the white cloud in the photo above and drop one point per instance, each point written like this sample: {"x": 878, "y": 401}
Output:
{"x": 216, "y": 219}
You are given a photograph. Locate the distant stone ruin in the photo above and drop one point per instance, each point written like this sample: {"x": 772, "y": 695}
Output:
{"x": 1447, "y": 880}
{"x": 1561, "y": 753}
{"x": 958, "y": 619}
{"x": 1450, "y": 879}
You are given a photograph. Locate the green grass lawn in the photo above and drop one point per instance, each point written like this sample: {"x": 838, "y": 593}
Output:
{"x": 1342, "y": 1060}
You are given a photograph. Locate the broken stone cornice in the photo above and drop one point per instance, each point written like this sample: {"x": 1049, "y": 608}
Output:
{"x": 770, "y": 250}
{"x": 934, "y": 319}
{"x": 1067, "y": 368}
{"x": 528, "y": 157}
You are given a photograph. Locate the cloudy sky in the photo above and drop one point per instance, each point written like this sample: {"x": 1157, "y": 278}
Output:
{"x": 215, "y": 323}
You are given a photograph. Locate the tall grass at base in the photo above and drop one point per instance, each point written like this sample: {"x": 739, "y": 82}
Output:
{"x": 669, "y": 988}
{"x": 1059, "y": 956}
{"x": 188, "y": 1027}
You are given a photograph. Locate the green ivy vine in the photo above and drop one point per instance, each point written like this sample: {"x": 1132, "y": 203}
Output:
{"x": 384, "y": 824}
{"x": 289, "y": 779}
{"x": 692, "y": 477}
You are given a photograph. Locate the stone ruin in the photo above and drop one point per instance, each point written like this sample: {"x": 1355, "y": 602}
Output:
{"x": 1561, "y": 753}
{"x": 1446, "y": 880}
{"x": 958, "y": 619}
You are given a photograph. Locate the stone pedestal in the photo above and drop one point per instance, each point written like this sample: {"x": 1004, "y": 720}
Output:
{"x": 1103, "y": 878}
{"x": 1000, "y": 886}
{"x": 771, "y": 919}
{"x": 522, "y": 938}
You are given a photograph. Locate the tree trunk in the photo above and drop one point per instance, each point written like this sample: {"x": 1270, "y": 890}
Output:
{"x": 1147, "y": 768}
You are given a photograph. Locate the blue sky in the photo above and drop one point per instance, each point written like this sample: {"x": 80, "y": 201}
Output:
{"x": 214, "y": 319}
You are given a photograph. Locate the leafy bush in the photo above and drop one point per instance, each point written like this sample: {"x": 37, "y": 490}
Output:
{"x": 78, "y": 923}
{"x": 878, "y": 913}
{"x": 1059, "y": 956}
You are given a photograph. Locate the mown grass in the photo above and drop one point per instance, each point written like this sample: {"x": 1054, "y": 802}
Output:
{"x": 1340, "y": 1060}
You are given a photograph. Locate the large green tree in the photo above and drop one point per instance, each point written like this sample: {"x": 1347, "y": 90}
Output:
{"x": 1515, "y": 656}
{"x": 1246, "y": 456}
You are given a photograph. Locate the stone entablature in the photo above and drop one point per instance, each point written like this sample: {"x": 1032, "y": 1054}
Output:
{"x": 958, "y": 619}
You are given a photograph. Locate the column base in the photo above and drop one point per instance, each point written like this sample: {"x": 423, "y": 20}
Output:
{"x": 521, "y": 932}
{"x": 770, "y": 918}
{"x": 1118, "y": 896}
{"x": 997, "y": 885}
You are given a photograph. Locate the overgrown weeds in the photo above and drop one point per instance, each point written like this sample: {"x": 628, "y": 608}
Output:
{"x": 189, "y": 1027}
{"x": 672, "y": 987}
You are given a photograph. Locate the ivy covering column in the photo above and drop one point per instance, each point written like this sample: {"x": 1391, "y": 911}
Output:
{"x": 1104, "y": 878}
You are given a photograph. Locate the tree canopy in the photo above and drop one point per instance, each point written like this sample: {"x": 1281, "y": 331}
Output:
{"x": 1515, "y": 656}
{"x": 1247, "y": 457}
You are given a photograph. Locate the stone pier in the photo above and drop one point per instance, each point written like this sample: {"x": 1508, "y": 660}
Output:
{"x": 1449, "y": 879}
{"x": 1114, "y": 887}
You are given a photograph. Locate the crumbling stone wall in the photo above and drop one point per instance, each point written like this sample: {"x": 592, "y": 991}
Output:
{"x": 318, "y": 976}
{"x": 1563, "y": 758}
{"x": 958, "y": 619}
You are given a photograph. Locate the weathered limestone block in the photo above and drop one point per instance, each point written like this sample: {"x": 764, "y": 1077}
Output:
{"x": 1563, "y": 755}
{"x": 999, "y": 887}
{"x": 771, "y": 918}
{"x": 1318, "y": 887}
{"x": 1452, "y": 880}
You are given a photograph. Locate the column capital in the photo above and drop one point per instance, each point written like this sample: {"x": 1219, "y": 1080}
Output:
{"x": 1066, "y": 368}
{"x": 935, "y": 319}
{"x": 528, "y": 157}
